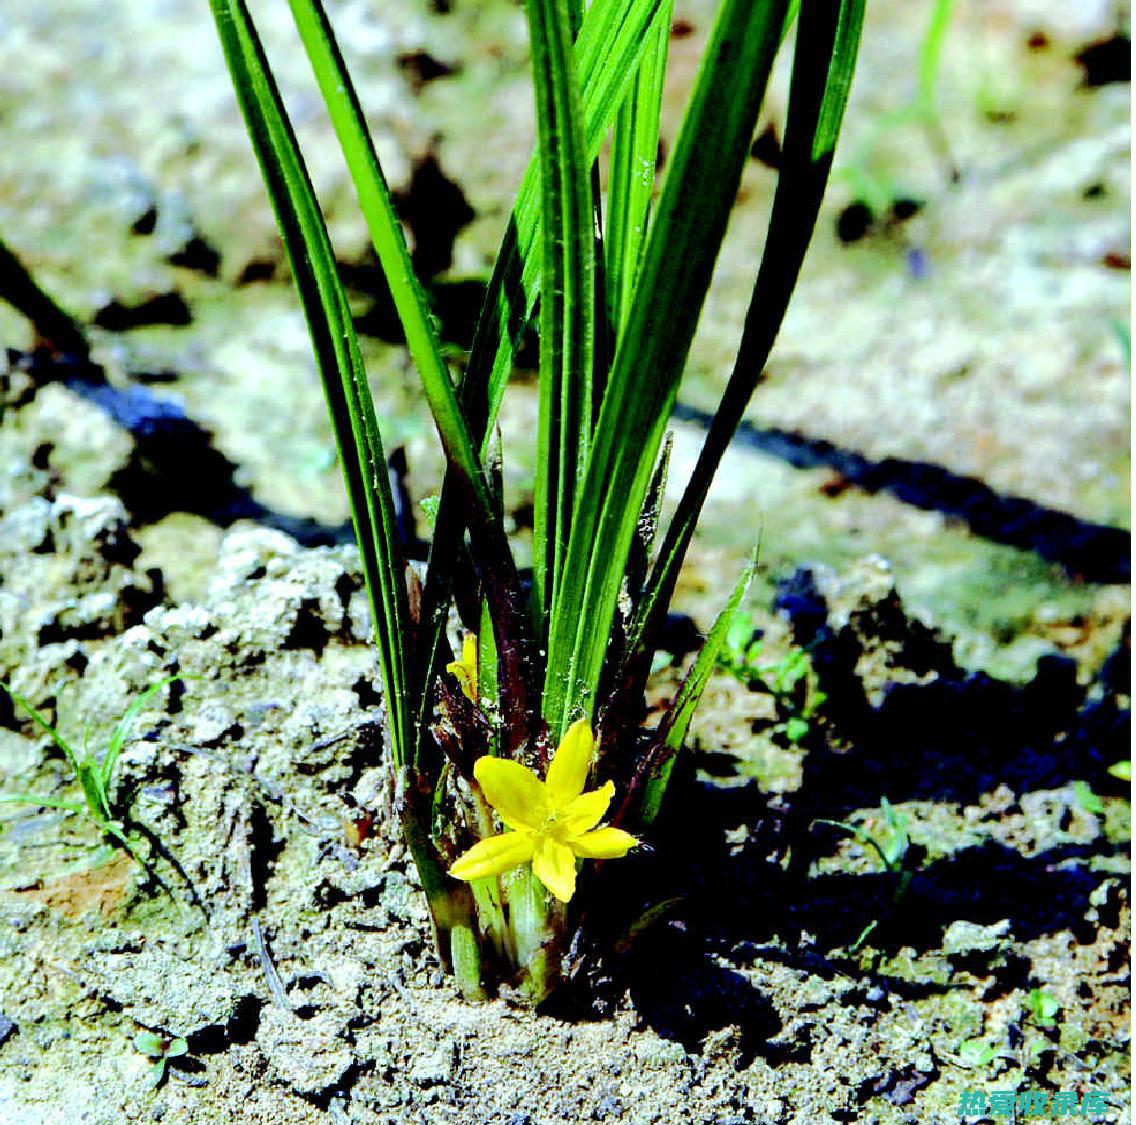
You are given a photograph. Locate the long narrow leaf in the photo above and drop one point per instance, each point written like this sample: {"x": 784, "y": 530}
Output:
{"x": 631, "y": 183}
{"x": 678, "y": 262}
{"x": 673, "y": 730}
{"x": 611, "y": 42}
{"x": 567, "y": 311}
{"x": 44, "y": 802}
{"x": 336, "y": 347}
{"x": 41, "y": 722}
{"x": 390, "y": 244}
{"x": 122, "y": 729}
{"x": 827, "y": 41}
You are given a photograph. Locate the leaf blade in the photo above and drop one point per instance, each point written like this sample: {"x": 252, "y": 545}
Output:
{"x": 634, "y": 151}
{"x": 676, "y": 723}
{"x": 336, "y": 348}
{"x": 678, "y": 262}
{"x": 567, "y": 308}
{"x": 827, "y": 43}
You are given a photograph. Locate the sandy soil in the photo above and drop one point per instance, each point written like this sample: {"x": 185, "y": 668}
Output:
{"x": 949, "y": 392}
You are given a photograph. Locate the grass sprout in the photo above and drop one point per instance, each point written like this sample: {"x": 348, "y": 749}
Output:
{"x": 94, "y": 772}
{"x": 615, "y": 281}
{"x": 792, "y": 680}
{"x": 893, "y": 849}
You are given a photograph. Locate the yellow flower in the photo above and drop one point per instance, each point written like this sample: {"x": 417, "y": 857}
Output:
{"x": 552, "y": 821}
{"x": 466, "y": 668}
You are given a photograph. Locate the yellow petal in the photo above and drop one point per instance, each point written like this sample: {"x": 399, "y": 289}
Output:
{"x": 466, "y": 669}
{"x": 515, "y": 792}
{"x": 555, "y": 866}
{"x": 585, "y": 812}
{"x": 569, "y": 769}
{"x": 604, "y": 843}
{"x": 494, "y": 856}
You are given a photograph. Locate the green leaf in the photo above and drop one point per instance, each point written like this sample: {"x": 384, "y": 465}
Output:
{"x": 567, "y": 317}
{"x": 608, "y": 48}
{"x": 1087, "y": 799}
{"x": 739, "y": 635}
{"x": 612, "y": 40}
{"x": 860, "y": 834}
{"x": 429, "y": 506}
{"x": 390, "y": 244}
{"x": 487, "y": 663}
{"x": 676, "y": 723}
{"x": 931, "y": 54}
{"x": 465, "y": 472}
{"x": 150, "y": 1044}
{"x": 43, "y": 724}
{"x": 977, "y": 1052}
{"x": 122, "y": 729}
{"x": 828, "y": 37}
{"x": 41, "y": 801}
{"x": 631, "y": 180}
{"x": 678, "y": 261}
{"x": 94, "y": 791}
{"x": 838, "y": 81}
{"x": 648, "y": 524}
{"x": 1043, "y": 1007}
{"x": 796, "y": 729}
{"x": 336, "y": 348}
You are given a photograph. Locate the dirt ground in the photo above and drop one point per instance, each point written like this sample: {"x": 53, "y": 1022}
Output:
{"x": 939, "y": 466}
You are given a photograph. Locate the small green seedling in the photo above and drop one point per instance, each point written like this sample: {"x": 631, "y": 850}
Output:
{"x": 974, "y": 1053}
{"x": 1043, "y": 1007}
{"x": 93, "y": 772}
{"x": 893, "y": 850}
{"x": 792, "y": 680}
{"x": 1087, "y": 799}
{"x": 920, "y": 111}
{"x": 742, "y": 654}
{"x": 159, "y": 1049}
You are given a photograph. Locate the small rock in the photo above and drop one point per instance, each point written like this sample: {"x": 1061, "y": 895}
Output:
{"x": 212, "y": 725}
{"x": 965, "y": 939}
{"x": 436, "y": 1068}
{"x": 656, "y": 1054}
{"x": 875, "y": 995}
{"x": 608, "y": 1107}
{"x": 158, "y": 988}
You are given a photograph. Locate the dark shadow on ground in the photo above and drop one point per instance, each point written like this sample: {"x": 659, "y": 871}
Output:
{"x": 738, "y": 866}
{"x": 956, "y": 734}
{"x": 1087, "y": 551}
{"x": 174, "y": 465}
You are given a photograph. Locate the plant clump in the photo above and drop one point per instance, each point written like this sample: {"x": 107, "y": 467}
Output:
{"x": 538, "y": 725}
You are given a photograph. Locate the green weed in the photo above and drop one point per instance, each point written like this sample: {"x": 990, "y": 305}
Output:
{"x": 1043, "y": 1008}
{"x": 159, "y": 1049}
{"x": 893, "y": 849}
{"x": 94, "y": 773}
{"x": 791, "y": 680}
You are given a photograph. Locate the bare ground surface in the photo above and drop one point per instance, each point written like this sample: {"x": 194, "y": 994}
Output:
{"x": 950, "y": 392}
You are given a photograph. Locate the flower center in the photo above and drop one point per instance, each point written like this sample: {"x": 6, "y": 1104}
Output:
{"x": 552, "y": 825}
